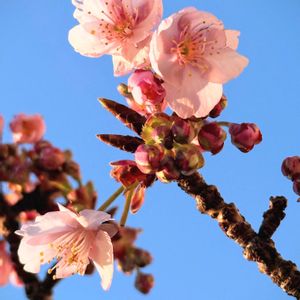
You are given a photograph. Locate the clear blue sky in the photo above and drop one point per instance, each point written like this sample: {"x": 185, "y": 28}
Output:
{"x": 40, "y": 72}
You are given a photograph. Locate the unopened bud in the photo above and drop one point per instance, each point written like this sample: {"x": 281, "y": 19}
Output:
{"x": 291, "y": 167}
{"x": 51, "y": 158}
{"x": 144, "y": 282}
{"x": 245, "y": 136}
{"x": 211, "y": 137}
{"x": 296, "y": 186}
{"x": 148, "y": 158}
{"x": 142, "y": 257}
{"x": 188, "y": 158}
{"x": 169, "y": 171}
{"x": 183, "y": 132}
{"x": 217, "y": 110}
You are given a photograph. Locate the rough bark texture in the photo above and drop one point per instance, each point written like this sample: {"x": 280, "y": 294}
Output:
{"x": 34, "y": 288}
{"x": 257, "y": 247}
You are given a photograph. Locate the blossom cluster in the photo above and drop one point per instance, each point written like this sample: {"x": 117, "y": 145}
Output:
{"x": 190, "y": 51}
{"x": 35, "y": 175}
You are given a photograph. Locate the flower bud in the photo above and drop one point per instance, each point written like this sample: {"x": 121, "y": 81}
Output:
{"x": 211, "y": 137}
{"x": 188, "y": 158}
{"x": 51, "y": 158}
{"x": 217, "y": 110}
{"x": 183, "y": 132}
{"x": 245, "y": 136}
{"x": 148, "y": 158}
{"x": 169, "y": 171}
{"x": 296, "y": 186}
{"x": 157, "y": 130}
{"x": 144, "y": 282}
{"x": 27, "y": 129}
{"x": 146, "y": 87}
{"x": 143, "y": 258}
{"x": 291, "y": 167}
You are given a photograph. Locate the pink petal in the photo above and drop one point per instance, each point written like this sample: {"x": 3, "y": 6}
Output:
{"x": 88, "y": 44}
{"x": 226, "y": 64}
{"x": 92, "y": 219}
{"x": 232, "y": 38}
{"x": 102, "y": 255}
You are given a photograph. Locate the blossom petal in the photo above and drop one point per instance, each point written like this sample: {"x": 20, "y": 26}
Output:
{"x": 232, "y": 38}
{"x": 88, "y": 44}
{"x": 92, "y": 219}
{"x": 102, "y": 255}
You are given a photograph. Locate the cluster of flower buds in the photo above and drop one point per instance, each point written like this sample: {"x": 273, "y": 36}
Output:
{"x": 291, "y": 169}
{"x": 130, "y": 258}
{"x": 168, "y": 151}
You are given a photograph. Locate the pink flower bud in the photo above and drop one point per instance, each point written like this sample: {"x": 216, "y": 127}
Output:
{"x": 51, "y": 158}
{"x": 169, "y": 171}
{"x": 1, "y": 125}
{"x": 148, "y": 158}
{"x": 296, "y": 186}
{"x": 183, "y": 132}
{"x": 211, "y": 137}
{"x": 217, "y": 110}
{"x": 157, "y": 130}
{"x": 27, "y": 129}
{"x": 291, "y": 167}
{"x": 144, "y": 282}
{"x": 245, "y": 136}
{"x": 148, "y": 94}
{"x": 188, "y": 158}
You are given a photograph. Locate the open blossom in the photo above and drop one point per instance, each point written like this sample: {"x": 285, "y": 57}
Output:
{"x": 195, "y": 55}
{"x": 27, "y": 128}
{"x": 73, "y": 239}
{"x": 122, "y": 28}
{"x": 7, "y": 272}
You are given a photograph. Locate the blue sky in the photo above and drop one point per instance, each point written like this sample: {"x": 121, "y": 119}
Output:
{"x": 40, "y": 72}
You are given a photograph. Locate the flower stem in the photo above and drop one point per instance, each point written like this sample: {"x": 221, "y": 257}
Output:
{"x": 225, "y": 124}
{"x": 112, "y": 198}
{"x": 127, "y": 206}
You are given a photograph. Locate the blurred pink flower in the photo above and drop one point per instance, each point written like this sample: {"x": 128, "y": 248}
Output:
{"x": 194, "y": 55}
{"x": 122, "y": 28}
{"x": 27, "y": 128}
{"x": 74, "y": 239}
{"x": 7, "y": 272}
{"x": 1, "y": 126}
{"x": 148, "y": 94}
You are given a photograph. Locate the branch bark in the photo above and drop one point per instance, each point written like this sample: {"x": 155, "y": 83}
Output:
{"x": 257, "y": 247}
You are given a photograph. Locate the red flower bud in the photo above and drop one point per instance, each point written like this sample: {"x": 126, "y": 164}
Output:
{"x": 188, "y": 158}
{"x": 245, "y": 136}
{"x": 183, "y": 132}
{"x": 211, "y": 137}
{"x": 291, "y": 167}
{"x": 296, "y": 187}
{"x": 143, "y": 258}
{"x": 51, "y": 158}
{"x": 144, "y": 282}
{"x": 148, "y": 158}
{"x": 217, "y": 110}
{"x": 169, "y": 171}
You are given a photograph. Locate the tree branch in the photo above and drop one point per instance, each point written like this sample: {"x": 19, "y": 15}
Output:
{"x": 257, "y": 247}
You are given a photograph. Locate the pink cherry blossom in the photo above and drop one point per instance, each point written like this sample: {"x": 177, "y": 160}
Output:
{"x": 27, "y": 128}
{"x": 194, "y": 55}
{"x": 7, "y": 272}
{"x": 121, "y": 28}
{"x": 73, "y": 239}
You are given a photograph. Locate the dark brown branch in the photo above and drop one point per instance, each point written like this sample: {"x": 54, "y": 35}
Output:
{"x": 256, "y": 248}
{"x": 123, "y": 142}
{"x": 127, "y": 116}
{"x": 273, "y": 217}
